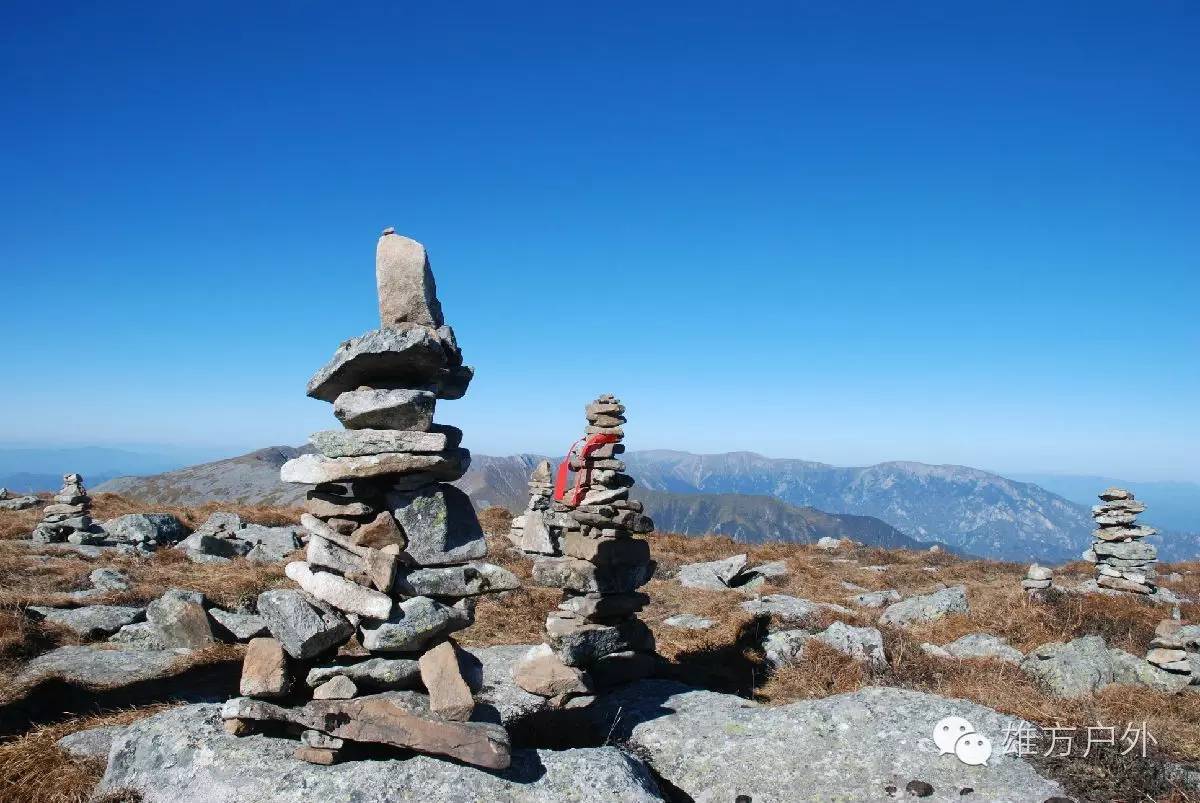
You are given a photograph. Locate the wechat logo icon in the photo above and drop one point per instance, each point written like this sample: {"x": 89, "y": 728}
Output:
{"x": 956, "y": 735}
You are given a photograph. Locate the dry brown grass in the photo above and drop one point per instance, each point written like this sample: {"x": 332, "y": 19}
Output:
{"x": 34, "y": 770}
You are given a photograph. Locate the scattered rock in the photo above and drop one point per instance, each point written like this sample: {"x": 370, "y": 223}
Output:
{"x": 92, "y": 743}
{"x": 265, "y": 670}
{"x": 714, "y": 575}
{"x": 304, "y": 625}
{"x": 92, "y": 621}
{"x": 926, "y": 608}
{"x": 787, "y": 611}
{"x": 240, "y": 626}
{"x": 688, "y": 621}
{"x": 984, "y": 645}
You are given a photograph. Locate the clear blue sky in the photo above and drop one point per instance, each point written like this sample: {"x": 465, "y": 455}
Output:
{"x": 853, "y": 232}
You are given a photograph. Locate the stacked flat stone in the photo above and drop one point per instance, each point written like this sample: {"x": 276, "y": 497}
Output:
{"x": 68, "y": 517}
{"x": 393, "y": 557}
{"x": 1037, "y": 579}
{"x": 1124, "y": 562}
{"x": 537, "y": 530}
{"x": 1176, "y": 649}
{"x": 594, "y": 639}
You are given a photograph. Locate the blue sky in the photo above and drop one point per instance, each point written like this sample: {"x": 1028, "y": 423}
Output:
{"x": 852, "y": 232}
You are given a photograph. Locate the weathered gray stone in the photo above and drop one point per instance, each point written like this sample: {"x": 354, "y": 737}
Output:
{"x": 926, "y": 608}
{"x": 413, "y": 624}
{"x": 181, "y": 622}
{"x": 241, "y": 626}
{"x": 713, "y": 575}
{"x": 413, "y": 357}
{"x": 204, "y": 544}
{"x": 139, "y": 636}
{"x": 984, "y": 645}
{"x": 338, "y": 687}
{"x": 711, "y": 746}
{"x": 582, "y": 576}
{"x": 91, "y": 743}
{"x": 99, "y": 668}
{"x": 311, "y": 469}
{"x": 407, "y": 291}
{"x": 585, "y": 643}
{"x": 183, "y": 756}
{"x": 1075, "y": 669}
{"x": 876, "y": 599}
{"x": 788, "y": 611}
{"x": 399, "y": 409}
{"x": 92, "y": 621}
{"x": 782, "y": 647}
{"x": 343, "y": 594}
{"x": 860, "y": 643}
{"x": 600, "y": 606}
{"x": 374, "y": 674}
{"x": 467, "y": 580}
{"x": 1132, "y": 670}
{"x": 440, "y": 523}
{"x": 1126, "y": 550}
{"x": 107, "y": 579}
{"x": 146, "y": 528}
{"x": 358, "y": 442}
{"x": 688, "y": 621}
{"x": 305, "y": 625}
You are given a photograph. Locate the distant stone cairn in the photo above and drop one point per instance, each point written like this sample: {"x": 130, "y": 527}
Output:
{"x": 68, "y": 518}
{"x": 1124, "y": 561}
{"x": 595, "y": 639}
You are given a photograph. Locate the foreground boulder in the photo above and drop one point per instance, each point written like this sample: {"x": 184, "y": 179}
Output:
{"x": 714, "y": 747}
{"x": 184, "y": 756}
{"x": 148, "y": 530}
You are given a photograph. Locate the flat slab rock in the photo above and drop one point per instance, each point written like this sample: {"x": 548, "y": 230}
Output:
{"x": 97, "y": 668}
{"x": 184, "y": 756}
{"x": 712, "y": 746}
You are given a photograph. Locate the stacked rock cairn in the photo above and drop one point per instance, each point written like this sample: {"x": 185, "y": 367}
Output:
{"x": 69, "y": 517}
{"x": 594, "y": 639}
{"x": 1176, "y": 649}
{"x": 393, "y": 557}
{"x": 1038, "y": 580}
{"x": 1124, "y": 562}
{"x": 536, "y": 531}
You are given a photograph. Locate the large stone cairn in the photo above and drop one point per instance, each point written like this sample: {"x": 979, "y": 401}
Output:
{"x": 68, "y": 517}
{"x": 1124, "y": 562}
{"x": 594, "y": 638}
{"x": 537, "y": 530}
{"x": 393, "y": 558}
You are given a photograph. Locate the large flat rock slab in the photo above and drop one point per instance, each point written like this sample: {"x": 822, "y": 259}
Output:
{"x": 97, "y": 668}
{"x": 714, "y": 747}
{"x": 184, "y": 756}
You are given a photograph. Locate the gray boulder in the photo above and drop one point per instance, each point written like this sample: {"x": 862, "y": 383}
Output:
{"x": 787, "y": 612}
{"x": 456, "y": 581}
{"x": 413, "y": 624}
{"x": 239, "y": 626}
{"x": 109, "y": 580}
{"x": 92, "y": 621}
{"x": 688, "y": 621}
{"x": 712, "y": 746}
{"x": 783, "y": 647}
{"x": 489, "y": 671}
{"x": 440, "y": 523}
{"x": 984, "y": 645}
{"x": 181, "y": 622}
{"x": 90, "y": 743}
{"x": 139, "y": 636}
{"x": 20, "y": 503}
{"x": 876, "y": 599}
{"x": 305, "y": 625}
{"x": 715, "y": 575}
{"x": 374, "y": 674}
{"x": 1075, "y": 669}
{"x": 98, "y": 668}
{"x": 860, "y": 643}
{"x": 926, "y": 608}
{"x": 184, "y": 756}
{"x": 1132, "y": 670}
{"x": 146, "y": 528}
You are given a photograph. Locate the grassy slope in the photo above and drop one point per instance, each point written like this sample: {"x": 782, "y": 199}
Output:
{"x": 724, "y": 657}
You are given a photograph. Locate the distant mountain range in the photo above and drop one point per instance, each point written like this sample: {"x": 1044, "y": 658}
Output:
{"x": 25, "y": 469}
{"x": 751, "y": 498}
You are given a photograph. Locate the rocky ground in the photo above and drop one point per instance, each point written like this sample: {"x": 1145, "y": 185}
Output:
{"x": 796, "y": 673}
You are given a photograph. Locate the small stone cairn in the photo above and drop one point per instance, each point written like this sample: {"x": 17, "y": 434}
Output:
{"x": 393, "y": 557}
{"x": 536, "y": 531}
{"x": 1038, "y": 579}
{"x": 594, "y": 639}
{"x": 1124, "y": 562}
{"x": 69, "y": 518}
{"x": 1176, "y": 649}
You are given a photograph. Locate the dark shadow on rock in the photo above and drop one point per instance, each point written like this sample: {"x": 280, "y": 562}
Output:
{"x": 725, "y": 669}
{"x": 55, "y": 699}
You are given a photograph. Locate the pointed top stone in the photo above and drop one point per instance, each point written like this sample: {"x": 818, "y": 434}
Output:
{"x": 541, "y": 473}
{"x": 1114, "y": 494}
{"x": 407, "y": 292}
